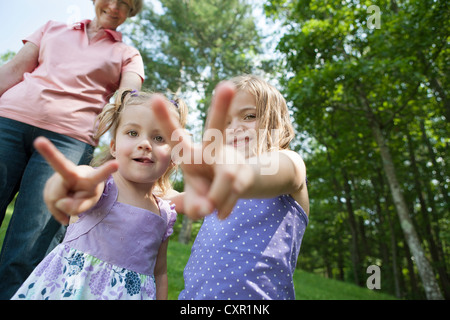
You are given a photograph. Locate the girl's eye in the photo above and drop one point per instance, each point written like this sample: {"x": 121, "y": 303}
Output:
{"x": 250, "y": 116}
{"x": 132, "y": 133}
{"x": 159, "y": 139}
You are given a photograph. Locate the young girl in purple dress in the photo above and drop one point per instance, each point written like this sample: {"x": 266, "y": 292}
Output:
{"x": 117, "y": 248}
{"x": 256, "y": 186}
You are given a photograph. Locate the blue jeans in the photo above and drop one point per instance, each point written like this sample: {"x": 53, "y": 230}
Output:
{"x": 32, "y": 227}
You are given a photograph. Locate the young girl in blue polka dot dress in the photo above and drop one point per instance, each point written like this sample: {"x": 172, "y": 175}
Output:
{"x": 248, "y": 247}
{"x": 117, "y": 248}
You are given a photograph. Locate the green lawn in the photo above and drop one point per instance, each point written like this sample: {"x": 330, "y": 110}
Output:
{"x": 5, "y": 223}
{"x": 308, "y": 286}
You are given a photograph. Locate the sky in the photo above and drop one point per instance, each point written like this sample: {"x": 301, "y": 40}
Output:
{"x": 20, "y": 18}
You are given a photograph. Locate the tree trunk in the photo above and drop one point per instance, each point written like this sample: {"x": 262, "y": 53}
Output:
{"x": 437, "y": 168}
{"x": 429, "y": 235}
{"x": 378, "y": 186}
{"x": 354, "y": 251}
{"x": 426, "y": 273}
{"x": 186, "y": 230}
{"x": 356, "y": 256}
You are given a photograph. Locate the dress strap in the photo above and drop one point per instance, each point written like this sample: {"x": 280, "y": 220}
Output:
{"x": 168, "y": 213}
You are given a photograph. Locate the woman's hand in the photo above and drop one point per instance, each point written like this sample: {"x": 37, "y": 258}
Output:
{"x": 72, "y": 189}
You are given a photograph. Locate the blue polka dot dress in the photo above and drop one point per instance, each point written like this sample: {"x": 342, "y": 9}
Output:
{"x": 250, "y": 255}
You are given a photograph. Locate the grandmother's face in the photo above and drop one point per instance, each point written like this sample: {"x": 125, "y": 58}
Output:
{"x": 112, "y": 13}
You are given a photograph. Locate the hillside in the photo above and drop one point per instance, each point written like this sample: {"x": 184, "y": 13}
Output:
{"x": 308, "y": 286}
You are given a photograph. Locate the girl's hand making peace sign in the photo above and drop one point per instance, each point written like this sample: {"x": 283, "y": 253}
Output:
{"x": 210, "y": 184}
{"x": 72, "y": 189}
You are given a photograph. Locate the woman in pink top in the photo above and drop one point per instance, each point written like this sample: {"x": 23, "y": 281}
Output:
{"x": 55, "y": 87}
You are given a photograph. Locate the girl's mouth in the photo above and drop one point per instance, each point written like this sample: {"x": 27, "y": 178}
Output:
{"x": 241, "y": 142}
{"x": 144, "y": 160}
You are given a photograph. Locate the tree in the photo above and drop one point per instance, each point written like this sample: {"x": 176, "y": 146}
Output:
{"x": 196, "y": 44}
{"x": 375, "y": 79}
{"x": 5, "y": 57}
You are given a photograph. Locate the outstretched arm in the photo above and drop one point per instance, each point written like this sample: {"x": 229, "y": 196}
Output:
{"x": 72, "y": 189}
{"x": 266, "y": 176}
{"x": 223, "y": 175}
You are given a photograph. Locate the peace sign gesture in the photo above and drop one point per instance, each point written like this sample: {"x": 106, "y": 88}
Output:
{"x": 72, "y": 189}
{"x": 210, "y": 183}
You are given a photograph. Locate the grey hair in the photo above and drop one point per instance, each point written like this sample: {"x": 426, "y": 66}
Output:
{"x": 136, "y": 7}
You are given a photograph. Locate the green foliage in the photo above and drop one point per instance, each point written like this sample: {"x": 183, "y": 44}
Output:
{"x": 344, "y": 76}
{"x": 196, "y": 44}
{"x": 5, "y": 57}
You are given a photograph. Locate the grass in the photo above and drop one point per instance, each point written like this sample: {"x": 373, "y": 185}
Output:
{"x": 308, "y": 286}
{"x": 177, "y": 257}
{"x": 5, "y": 223}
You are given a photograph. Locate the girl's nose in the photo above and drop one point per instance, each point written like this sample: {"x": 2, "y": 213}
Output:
{"x": 234, "y": 125}
{"x": 145, "y": 144}
{"x": 231, "y": 124}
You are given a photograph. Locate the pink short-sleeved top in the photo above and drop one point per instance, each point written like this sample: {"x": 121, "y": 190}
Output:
{"x": 73, "y": 81}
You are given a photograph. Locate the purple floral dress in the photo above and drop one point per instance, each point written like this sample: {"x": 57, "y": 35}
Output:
{"x": 109, "y": 253}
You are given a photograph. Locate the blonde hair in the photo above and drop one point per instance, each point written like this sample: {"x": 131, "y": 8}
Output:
{"x": 271, "y": 112}
{"x": 108, "y": 121}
